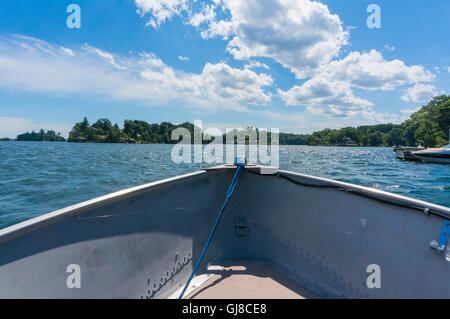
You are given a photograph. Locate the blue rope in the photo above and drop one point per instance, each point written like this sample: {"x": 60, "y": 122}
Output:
{"x": 239, "y": 169}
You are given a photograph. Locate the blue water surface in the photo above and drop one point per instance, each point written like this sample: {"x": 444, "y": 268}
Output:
{"x": 37, "y": 178}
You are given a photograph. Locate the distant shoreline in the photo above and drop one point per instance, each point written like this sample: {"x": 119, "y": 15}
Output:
{"x": 429, "y": 126}
{"x": 90, "y": 142}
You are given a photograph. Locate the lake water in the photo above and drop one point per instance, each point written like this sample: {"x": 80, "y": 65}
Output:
{"x": 37, "y": 178}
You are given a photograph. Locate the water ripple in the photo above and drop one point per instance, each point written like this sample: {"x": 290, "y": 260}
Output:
{"x": 36, "y": 178}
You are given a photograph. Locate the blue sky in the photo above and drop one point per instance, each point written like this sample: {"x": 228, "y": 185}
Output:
{"x": 297, "y": 65}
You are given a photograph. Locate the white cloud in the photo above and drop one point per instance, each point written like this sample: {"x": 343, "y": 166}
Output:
{"x": 448, "y": 69}
{"x": 67, "y": 51}
{"x": 160, "y": 10}
{"x": 226, "y": 83}
{"x": 300, "y": 34}
{"x": 183, "y": 58}
{"x": 420, "y": 93}
{"x": 13, "y": 126}
{"x": 207, "y": 15}
{"x": 320, "y": 95}
{"x": 306, "y": 38}
{"x": 33, "y": 65}
{"x": 370, "y": 71}
{"x": 107, "y": 56}
{"x": 330, "y": 91}
{"x": 256, "y": 64}
{"x": 408, "y": 112}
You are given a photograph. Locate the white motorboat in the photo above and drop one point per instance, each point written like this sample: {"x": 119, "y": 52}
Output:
{"x": 434, "y": 155}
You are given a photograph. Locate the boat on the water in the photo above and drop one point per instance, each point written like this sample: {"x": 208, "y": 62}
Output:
{"x": 405, "y": 152}
{"x": 282, "y": 235}
{"x": 434, "y": 155}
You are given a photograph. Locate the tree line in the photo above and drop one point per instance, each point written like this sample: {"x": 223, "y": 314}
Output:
{"x": 41, "y": 136}
{"x": 429, "y": 126}
{"x": 134, "y": 131}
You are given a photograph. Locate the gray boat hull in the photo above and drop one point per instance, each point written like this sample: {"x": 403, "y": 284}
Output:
{"x": 431, "y": 159}
{"x": 142, "y": 242}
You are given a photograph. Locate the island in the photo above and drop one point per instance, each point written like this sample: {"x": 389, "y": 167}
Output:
{"x": 428, "y": 126}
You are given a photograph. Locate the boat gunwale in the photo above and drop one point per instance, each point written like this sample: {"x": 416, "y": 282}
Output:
{"x": 370, "y": 192}
{"x": 428, "y": 208}
{"x": 64, "y": 213}
{"x": 32, "y": 224}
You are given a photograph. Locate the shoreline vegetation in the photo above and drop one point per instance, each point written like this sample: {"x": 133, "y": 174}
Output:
{"x": 429, "y": 126}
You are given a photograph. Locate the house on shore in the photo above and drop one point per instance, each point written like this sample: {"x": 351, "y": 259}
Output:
{"x": 79, "y": 139}
{"x": 349, "y": 142}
